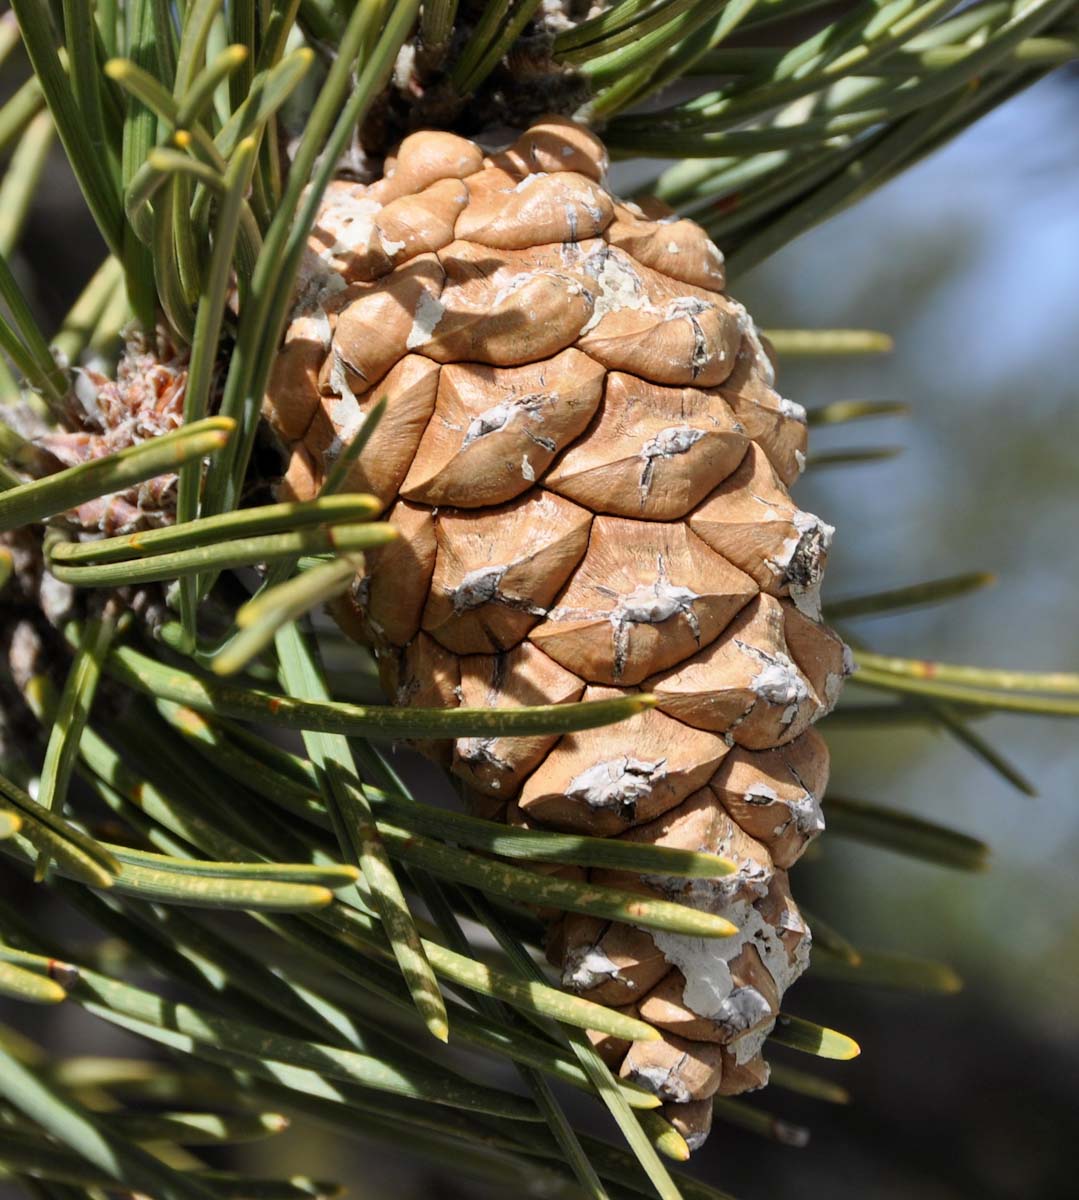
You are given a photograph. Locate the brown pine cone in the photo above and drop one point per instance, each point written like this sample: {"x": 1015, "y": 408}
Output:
{"x": 588, "y": 462}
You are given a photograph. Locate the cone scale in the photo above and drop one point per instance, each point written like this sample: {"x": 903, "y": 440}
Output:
{"x": 588, "y": 462}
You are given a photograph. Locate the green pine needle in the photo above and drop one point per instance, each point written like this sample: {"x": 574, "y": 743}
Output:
{"x": 357, "y": 835}
{"x": 146, "y": 674}
{"x": 806, "y": 1083}
{"x": 905, "y": 834}
{"x": 219, "y": 555}
{"x": 900, "y": 971}
{"x": 935, "y": 591}
{"x": 69, "y": 488}
{"x": 70, "y": 718}
{"x": 74, "y": 852}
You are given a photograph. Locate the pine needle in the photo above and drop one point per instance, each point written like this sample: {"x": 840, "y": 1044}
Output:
{"x": 357, "y": 835}
{"x": 72, "y": 713}
{"x": 73, "y": 486}
{"x": 905, "y": 833}
{"x": 810, "y": 1038}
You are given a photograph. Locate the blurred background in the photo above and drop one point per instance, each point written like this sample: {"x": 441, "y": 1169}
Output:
{"x": 971, "y": 262}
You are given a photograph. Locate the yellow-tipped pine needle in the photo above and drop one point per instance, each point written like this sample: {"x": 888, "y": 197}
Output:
{"x": 17, "y": 984}
{"x": 663, "y": 1135}
{"x": 814, "y": 1039}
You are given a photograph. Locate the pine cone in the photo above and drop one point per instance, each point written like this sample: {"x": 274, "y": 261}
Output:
{"x": 588, "y": 463}
{"x": 143, "y": 401}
